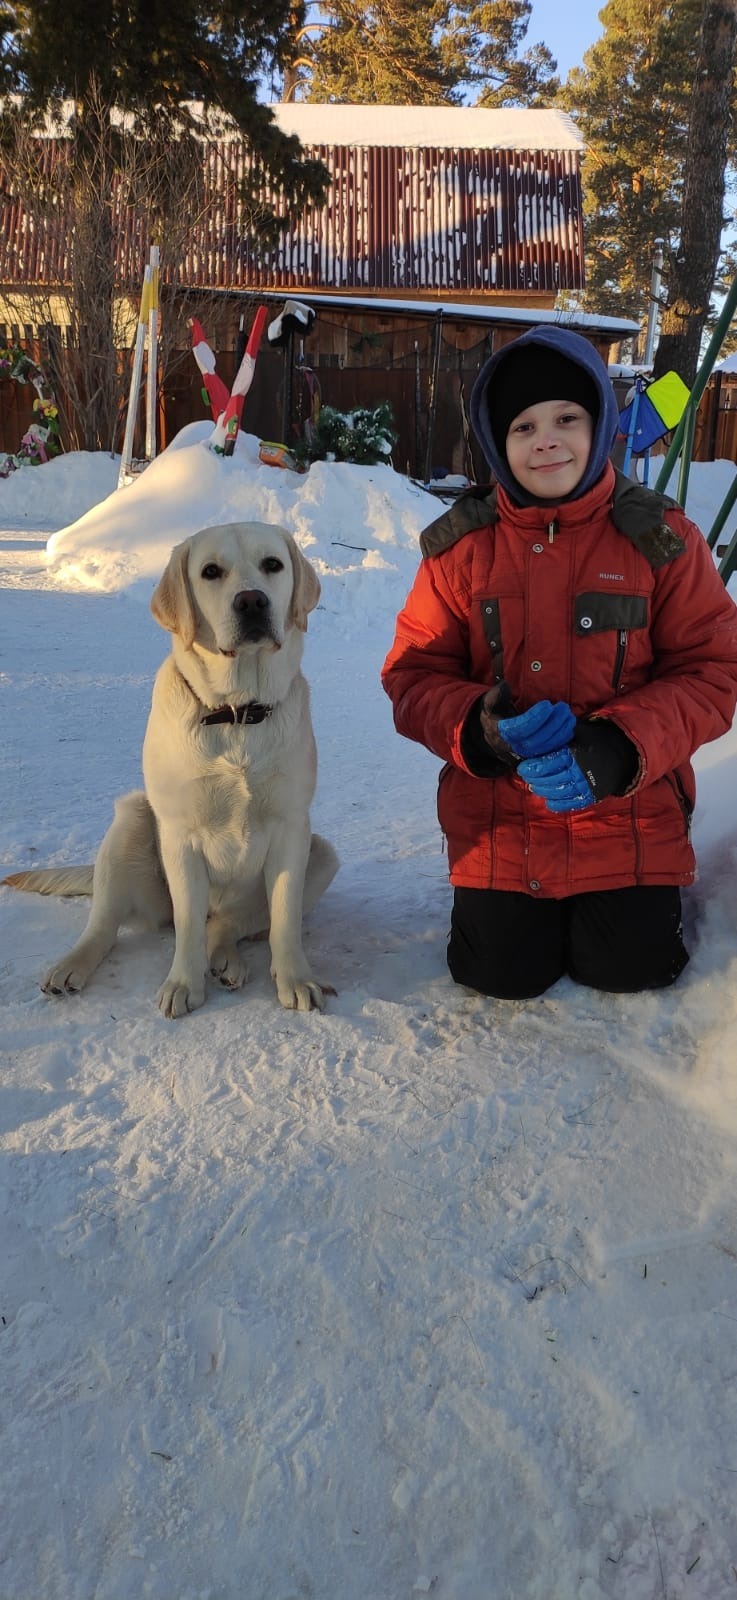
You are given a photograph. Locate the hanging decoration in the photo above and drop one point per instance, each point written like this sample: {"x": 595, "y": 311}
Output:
{"x": 41, "y": 439}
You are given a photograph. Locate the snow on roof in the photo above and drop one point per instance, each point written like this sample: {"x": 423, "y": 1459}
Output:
{"x": 493, "y": 311}
{"x": 439, "y": 127}
{"x": 442, "y": 127}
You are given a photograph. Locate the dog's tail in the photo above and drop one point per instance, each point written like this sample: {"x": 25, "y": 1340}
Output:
{"x": 52, "y": 880}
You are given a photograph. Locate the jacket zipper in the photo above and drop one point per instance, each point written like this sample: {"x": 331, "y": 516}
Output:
{"x": 552, "y": 530}
{"x": 619, "y": 660}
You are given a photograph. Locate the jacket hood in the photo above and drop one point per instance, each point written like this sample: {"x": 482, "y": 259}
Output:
{"x": 606, "y": 426}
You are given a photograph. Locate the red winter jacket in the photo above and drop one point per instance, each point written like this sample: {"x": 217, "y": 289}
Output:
{"x": 563, "y": 606}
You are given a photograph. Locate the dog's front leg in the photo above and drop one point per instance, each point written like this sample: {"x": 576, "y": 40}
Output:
{"x": 189, "y": 885}
{"x": 284, "y": 873}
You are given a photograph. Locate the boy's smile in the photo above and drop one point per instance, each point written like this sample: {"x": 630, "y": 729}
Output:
{"x": 548, "y": 447}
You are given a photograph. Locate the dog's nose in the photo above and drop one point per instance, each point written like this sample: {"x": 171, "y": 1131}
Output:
{"x": 250, "y": 600}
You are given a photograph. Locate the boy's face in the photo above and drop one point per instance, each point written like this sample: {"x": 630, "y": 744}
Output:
{"x": 548, "y": 447}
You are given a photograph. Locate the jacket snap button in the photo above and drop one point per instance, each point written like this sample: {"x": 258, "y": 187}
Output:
{"x": 536, "y": 666}
{"x": 538, "y": 549}
{"x": 534, "y": 883}
{"x": 586, "y": 622}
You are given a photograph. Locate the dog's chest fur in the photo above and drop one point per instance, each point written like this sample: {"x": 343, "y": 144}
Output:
{"x": 242, "y": 781}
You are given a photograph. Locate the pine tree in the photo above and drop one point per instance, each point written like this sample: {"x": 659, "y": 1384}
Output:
{"x": 631, "y": 99}
{"x": 694, "y": 263}
{"x": 153, "y": 57}
{"x": 385, "y": 52}
{"x": 483, "y": 48}
{"x": 428, "y": 52}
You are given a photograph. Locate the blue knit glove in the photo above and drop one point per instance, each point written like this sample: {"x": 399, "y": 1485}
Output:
{"x": 559, "y": 781}
{"x": 545, "y": 727}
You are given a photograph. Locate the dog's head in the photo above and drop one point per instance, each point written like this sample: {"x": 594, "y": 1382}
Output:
{"x": 236, "y": 587}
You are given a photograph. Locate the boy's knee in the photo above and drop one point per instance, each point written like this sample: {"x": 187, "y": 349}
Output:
{"x": 500, "y": 980}
{"x": 620, "y": 975}
{"x": 625, "y": 941}
{"x": 505, "y": 945}
{"x": 497, "y": 988}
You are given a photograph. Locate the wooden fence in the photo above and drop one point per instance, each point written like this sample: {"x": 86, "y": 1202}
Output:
{"x": 16, "y": 413}
{"x": 716, "y": 424}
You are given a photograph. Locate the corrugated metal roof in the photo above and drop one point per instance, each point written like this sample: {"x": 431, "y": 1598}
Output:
{"x": 398, "y": 220}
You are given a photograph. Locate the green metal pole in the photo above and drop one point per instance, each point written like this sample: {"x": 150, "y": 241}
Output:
{"x": 671, "y": 456}
{"x": 686, "y": 454}
{"x": 729, "y": 561}
{"x": 702, "y": 378}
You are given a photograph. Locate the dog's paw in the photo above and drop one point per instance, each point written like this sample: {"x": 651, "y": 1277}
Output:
{"x": 228, "y": 966}
{"x": 177, "y": 996}
{"x": 64, "y": 979}
{"x": 301, "y": 993}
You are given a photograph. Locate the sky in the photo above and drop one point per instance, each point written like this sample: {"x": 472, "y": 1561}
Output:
{"x": 567, "y": 29}
{"x": 425, "y": 1295}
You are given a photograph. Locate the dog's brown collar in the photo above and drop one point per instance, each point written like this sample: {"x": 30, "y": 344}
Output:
{"x": 252, "y": 712}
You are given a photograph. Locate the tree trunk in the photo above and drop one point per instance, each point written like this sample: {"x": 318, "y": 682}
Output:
{"x": 692, "y": 268}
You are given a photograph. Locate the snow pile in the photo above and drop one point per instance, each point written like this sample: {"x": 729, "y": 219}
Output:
{"x": 353, "y": 522}
{"x": 46, "y": 497}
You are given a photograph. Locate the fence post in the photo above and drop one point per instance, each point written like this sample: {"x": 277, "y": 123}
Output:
{"x": 432, "y": 408}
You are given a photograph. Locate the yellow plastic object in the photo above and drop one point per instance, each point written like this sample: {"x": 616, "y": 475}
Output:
{"x": 669, "y": 396}
{"x": 278, "y": 455}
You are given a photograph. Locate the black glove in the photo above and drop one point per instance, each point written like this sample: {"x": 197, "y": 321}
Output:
{"x": 605, "y": 755}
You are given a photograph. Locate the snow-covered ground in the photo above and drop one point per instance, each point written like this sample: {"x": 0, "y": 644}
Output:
{"x": 427, "y": 1294}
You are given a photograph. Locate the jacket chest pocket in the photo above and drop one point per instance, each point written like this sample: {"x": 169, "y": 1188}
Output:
{"x": 615, "y": 614}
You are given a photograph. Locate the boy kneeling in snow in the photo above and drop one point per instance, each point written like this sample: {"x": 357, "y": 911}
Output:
{"x": 566, "y": 647}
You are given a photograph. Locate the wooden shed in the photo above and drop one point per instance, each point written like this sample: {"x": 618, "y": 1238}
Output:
{"x": 422, "y": 356}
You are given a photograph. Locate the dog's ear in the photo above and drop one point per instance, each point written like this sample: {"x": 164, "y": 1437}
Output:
{"x": 171, "y": 602}
{"x": 306, "y": 590}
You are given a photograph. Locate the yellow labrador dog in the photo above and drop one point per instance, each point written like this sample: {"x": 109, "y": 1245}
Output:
{"x": 220, "y": 841}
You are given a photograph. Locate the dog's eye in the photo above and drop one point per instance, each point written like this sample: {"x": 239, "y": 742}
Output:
{"x": 212, "y": 570}
{"x": 272, "y": 564}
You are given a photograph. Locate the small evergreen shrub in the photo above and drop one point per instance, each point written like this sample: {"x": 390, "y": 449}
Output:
{"x": 362, "y": 436}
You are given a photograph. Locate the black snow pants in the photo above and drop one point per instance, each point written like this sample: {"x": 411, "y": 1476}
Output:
{"x": 514, "y": 947}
